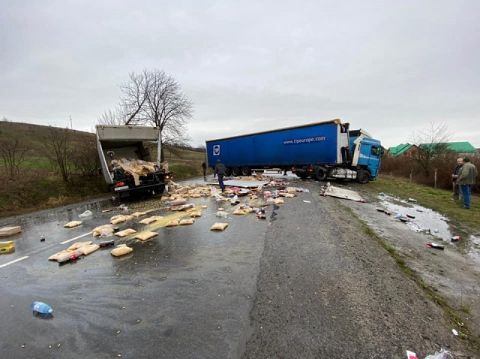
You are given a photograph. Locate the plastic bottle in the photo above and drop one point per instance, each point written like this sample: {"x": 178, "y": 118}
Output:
{"x": 42, "y": 309}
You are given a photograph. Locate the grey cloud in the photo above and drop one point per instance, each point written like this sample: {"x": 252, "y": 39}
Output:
{"x": 390, "y": 67}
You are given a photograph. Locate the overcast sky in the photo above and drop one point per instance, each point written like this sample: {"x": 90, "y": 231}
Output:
{"x": 390, "y": 67}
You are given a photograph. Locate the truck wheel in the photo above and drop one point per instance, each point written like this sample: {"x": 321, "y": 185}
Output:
{"x": 246, "y": 171}
{"x": 228, "y": 171}
{"x": 320, "y": 174}
{"x": 237, "y": 171}
{"x": 363, "y": 176}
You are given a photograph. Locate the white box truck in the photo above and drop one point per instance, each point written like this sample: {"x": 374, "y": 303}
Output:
{"x": 119, "y": 144}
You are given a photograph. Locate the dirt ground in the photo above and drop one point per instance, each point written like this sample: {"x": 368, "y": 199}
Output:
{"x": 326, "y": 289}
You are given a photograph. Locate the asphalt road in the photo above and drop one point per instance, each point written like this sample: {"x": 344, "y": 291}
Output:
{"x": 306, "y": 283}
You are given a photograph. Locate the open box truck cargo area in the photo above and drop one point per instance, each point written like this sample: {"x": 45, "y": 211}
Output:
{"x": 130, "y": 143}
{"x": 321, "y": 150}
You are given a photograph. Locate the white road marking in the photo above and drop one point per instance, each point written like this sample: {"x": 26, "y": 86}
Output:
{"x": 78, "y": 237}
{"x": 14, "y": 261}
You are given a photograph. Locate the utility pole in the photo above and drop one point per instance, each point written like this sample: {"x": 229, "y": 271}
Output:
{"x": 71, "y": 125}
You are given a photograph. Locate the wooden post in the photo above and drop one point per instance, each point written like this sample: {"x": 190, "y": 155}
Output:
{"x": 435, "y": 178}
{"x": 411, "y": 176}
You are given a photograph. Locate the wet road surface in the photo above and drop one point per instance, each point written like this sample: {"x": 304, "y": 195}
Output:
{"x": 185, "y": 294}
{"x": 306, "y": 283}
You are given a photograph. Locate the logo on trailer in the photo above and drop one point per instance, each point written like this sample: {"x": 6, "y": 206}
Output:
{"x": 216, "y": 150}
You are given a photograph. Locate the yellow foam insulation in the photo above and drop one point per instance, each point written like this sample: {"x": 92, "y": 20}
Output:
{"x": 72, "y": 224}
{"x": 219, "y": 226}
{"x": 121, "y": 250}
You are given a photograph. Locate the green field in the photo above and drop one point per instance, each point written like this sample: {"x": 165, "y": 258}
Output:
{"x": 39, "y": 186}
{"x": 436, "y": 199}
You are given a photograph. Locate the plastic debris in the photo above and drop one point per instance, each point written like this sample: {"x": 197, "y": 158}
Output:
{"x": 436, "y": 246}
{"x": 221, "y": 214}
{"x": 72, "y": 224}
{"x": 105, "y": 230}
{"x": 7, "y": 247}
{"x": 455, "y": 238}
{"x": 455, "y": 332}
{"x": 412, "y": 200}
{"x": 125, "y": 232}
{"x": 145, "y": 236}
{"x": 10, "y": 231}
{"x": 261, "y": 213}
{"x": 219, "y": 226}
{"x": 306, "y": 201}
{"x": 42, "y": 310}
{"x": 121, "y": 250}
{"x": 338, "y": 192}
{"x": 86, "y": 214}
{"x": 411, "y": 355}
{"x": 66, "y": 256}
{"x": 42, "y": 239}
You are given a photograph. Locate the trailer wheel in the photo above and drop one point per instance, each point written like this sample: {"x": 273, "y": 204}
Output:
{"x": 228, "y": 171}
{"x": 237, "y": 171}
{"x": 320, "y": 174}
{"x": 363, "y": 176}
{"x": 246, "y": 171}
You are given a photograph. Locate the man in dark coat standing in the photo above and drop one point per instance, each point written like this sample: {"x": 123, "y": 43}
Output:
{"x": 455, "y": 173}
{"x": 466, "y": 180}
{"x": 220, "y": 171}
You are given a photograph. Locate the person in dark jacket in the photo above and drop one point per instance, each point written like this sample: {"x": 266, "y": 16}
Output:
{"x": 220, "y": 172}
{"x": 455, "y": 173}
{"x": 204, "y": 169}
{"x": 466, "y": 179}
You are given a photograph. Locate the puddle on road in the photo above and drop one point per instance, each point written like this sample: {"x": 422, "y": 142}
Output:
{"x": 426, "y": 219}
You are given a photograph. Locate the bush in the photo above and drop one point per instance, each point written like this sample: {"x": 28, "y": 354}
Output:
{"x": 405, "y": 166}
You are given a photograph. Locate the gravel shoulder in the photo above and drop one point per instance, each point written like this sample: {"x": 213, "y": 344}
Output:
{"x": 327, "y": 289}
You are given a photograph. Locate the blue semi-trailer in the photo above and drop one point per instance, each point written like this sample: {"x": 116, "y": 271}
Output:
{"x": 319, "y": 150}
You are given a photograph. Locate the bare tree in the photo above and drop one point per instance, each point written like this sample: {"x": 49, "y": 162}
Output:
{"x": 153, "y": 98}
{"x": 57, "y": 147}
{"x": 13, "y": 155}
{"x": 431, "y": 143}
{"x": 112, "y": 118}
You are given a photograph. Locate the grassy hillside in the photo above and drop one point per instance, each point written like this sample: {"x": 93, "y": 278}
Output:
{"x": 38, "y": 184}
